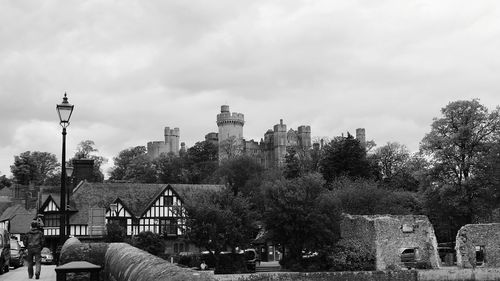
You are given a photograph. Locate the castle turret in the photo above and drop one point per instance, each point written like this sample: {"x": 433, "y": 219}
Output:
{"x": 280, "y": 141}
{"x": 360, "y": 136}
{"x": 230, "y": 130}
{"x": 172, "y": 140}
{"x": 304, "y": 135}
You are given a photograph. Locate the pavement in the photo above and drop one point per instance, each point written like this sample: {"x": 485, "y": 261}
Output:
{"x": 47, "y": 273}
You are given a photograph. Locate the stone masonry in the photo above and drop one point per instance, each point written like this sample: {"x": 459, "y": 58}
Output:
{"x": 478, "y": 241}
{"x": 389, "y": 235}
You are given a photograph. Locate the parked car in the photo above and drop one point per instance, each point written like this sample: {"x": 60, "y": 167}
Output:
{"x": 47, "y": 257}
{"x": 17, "y": 253}
{"x": 4, "y": 250}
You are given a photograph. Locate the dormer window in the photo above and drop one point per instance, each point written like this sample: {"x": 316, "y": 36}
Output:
{"x": 407, "y": 228}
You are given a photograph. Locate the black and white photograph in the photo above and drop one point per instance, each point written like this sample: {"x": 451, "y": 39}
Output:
{"x": 249, "y": 140}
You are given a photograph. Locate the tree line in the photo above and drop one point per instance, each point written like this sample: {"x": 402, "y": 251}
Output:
{"x": 454, "y": 179}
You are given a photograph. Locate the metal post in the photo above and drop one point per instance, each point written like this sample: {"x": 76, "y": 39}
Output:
{"x": 62, "y": 207}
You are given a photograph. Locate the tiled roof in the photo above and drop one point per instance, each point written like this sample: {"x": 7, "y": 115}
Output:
{"x": 136, "y": 197}
{"x": 19, "y": 217}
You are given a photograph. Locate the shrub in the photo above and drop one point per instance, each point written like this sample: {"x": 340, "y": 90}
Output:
{"x": 231, "y": 263}
{"x": 115, "y": 233}
{"x": 149, "y": 242}
{"x": 352, "y": 255}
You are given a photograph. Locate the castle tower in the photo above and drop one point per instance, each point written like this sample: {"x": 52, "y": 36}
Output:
{"x": 360, "y": 136}
{"x": 304, "y": 136}
{"x": 280, "y": 140}
{"x": 230, "y": 130}
{"x": 172, "y": 140}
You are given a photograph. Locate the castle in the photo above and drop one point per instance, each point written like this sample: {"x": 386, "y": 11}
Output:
{"x": 170, "y": 145}
{"x": 270, "y": 151}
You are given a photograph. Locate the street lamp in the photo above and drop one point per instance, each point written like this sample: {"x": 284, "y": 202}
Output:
{"x": 64, "y": 111}
{"x": 69, "y": 187}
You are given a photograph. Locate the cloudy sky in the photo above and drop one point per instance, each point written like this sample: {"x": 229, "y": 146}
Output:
{"x": 133, "y": 67}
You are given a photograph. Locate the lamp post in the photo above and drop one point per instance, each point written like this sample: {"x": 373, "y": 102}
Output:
{"x": 64, "y": 111}
{"x": 69, "y": 187}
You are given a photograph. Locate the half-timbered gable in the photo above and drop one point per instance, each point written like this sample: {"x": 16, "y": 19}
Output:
{"x": 118, "y": 213}
{"x": 165, "y": 216}
{"x": 50, "y": 209}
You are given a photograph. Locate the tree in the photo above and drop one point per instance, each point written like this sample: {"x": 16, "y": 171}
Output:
{"x": 172, "y": 169}
{"x": 302, "y": 216}
{"x": 459, "y": 138}
{"x": 219, "y": 220}
{"x": 5, "y": 182}
{"x": 141, "y": 169}
{"x": 202, "y": 161}
{"x": 298, "y": 162}
{"x": 236, "y": 172}
{"x": 85, "y": 150}
{"x": 37, "y": 167}
{"x": 457, "y": 144}
{"x": 344, "y": 156}
{"x": 123, "y": 160}
{"x": 230, "y": 148}
{"x": 396, "y": 167}
{"x": 366, "y": 197}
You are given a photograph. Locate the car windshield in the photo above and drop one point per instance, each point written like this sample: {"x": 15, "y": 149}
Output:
{"x": 14, "y": 245}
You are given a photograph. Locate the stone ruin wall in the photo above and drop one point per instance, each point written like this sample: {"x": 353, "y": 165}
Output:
{"x": 385, "y": 235}
{"x": 397, "y": 233}
{"x": 472, "y": 235}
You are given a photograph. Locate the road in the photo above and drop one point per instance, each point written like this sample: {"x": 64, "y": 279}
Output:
{"x": 20, "y": 274}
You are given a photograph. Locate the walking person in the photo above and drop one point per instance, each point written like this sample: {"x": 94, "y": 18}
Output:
{"x": 34, "y": 244}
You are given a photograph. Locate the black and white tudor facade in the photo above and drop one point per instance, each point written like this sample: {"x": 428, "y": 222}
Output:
{"x": 134, "y": 206}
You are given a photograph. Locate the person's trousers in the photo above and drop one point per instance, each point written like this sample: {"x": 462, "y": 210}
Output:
{"x": 34, "y": 253}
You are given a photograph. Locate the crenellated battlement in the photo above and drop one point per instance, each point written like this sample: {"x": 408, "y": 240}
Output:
{"x": 228, "y": 117}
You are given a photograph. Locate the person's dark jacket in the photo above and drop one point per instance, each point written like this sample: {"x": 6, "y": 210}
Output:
{"x": 35, "y": 239}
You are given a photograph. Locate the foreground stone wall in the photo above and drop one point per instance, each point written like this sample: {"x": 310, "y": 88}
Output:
{"x": 472, "y": 235}
{"x": 124, "y": 262}
{"x": 406, "y": 275}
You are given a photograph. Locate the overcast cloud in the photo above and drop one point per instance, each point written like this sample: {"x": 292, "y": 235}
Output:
{"x": 134, "y": 67}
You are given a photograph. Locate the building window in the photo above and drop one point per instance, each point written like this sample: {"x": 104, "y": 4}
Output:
{"x": 480, "y": 255}
{"x": 168, "y": 227}
{"x": 51, "y": 220}
{"x": 169, "y": 200}
{"x": 181, "y": 247}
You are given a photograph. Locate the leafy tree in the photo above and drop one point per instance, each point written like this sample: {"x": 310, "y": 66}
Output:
{"x": 5, "y": 182}
{"x": 236, "y": 172}
{"x": 141, "y": 169}
{"x": 392, "y": 158}
{"x": 36, "y": 167}
{"x": 344, "y": 156}
{"x": 115, "y": 233}
{"x": 230, "y": 148}
{"x": 219, "y": 220}
{"x": 172, "y": 169}
{"x": 85, "y": 150}
{"x": 202, "y": 161}
{"x": 457, "y": 145}
{"x": 365, "y": 197}
{"x": 459, "y": 138}
{"x": 123, "y": 160}
{"x": 298, "y": 162}
{"x": 301, "y": 215}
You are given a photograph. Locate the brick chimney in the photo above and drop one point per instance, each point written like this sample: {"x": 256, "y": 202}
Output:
{"x": 82, "y": 170}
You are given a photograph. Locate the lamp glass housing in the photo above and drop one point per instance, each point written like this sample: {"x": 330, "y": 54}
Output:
{"x": 64, "y": 110}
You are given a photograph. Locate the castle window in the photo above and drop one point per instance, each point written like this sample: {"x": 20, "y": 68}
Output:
{"x": 480, "y": 255}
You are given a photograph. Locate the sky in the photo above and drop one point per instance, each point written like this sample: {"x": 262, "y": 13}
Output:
{"x": 132, "y": 68}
